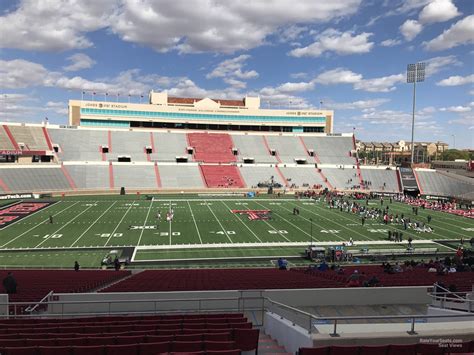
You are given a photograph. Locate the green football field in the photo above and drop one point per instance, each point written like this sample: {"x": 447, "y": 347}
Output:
{"x": 203, "y": 227}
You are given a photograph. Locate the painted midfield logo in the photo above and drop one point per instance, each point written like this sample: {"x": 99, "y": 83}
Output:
{"x": 253, "y": 215}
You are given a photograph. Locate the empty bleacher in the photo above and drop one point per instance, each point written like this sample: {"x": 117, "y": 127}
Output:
{"x": 288, "y": 148}
{"x": 222, "y": 333}
{"x": 331, "y": 150}
{"x": 212, "y": 147}
{"x": 79, "y": 144}
{"x": 89, "y": 176}
{"x": 252, "y": 146}
{"x": 32, "y": 137}
{"x": 178, "y": 176}
{"x": 339, "y": 178}
{"x": 222, "y": 176}
{"x": 253, "y": 175}
{"x": 168, "y": 146}
{"x": 35, "y": 179}
{"x": 381, "y": 180}
{"x": 130, "y": 144}
{"x": 5, "y": 143}
{"x": 303, "y": 176}
{"x": 135, "y": 176}
{"x": 444, "y": 184}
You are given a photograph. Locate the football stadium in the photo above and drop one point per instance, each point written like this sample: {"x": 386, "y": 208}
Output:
{"x": 181, "y": 201}
{"x": 152, "y": 216}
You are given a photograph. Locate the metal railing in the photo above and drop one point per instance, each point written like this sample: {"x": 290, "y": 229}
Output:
{"x": 241, "y": 304}
{"x": 311, "y": 318}
{"x": 31, "y": 309}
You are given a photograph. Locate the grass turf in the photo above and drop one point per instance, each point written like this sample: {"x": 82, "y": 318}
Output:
{"x": 114, "y": 221}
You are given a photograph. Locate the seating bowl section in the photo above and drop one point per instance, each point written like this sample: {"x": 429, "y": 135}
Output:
{"x": 228, "y": 333}
{"x": 222, "y": 176}
{"x": 212, "y": 147}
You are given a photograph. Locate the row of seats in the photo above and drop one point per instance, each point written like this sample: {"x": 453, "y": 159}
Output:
{"x": 33, "y": 285}
{"x": 410, "y": 349}
{"x": 226, "y": 176}
{"x": 129, "y": 349}
{"x": 216, "y": 279}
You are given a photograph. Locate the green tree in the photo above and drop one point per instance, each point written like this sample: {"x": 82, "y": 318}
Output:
{"x": 453, "y": 154}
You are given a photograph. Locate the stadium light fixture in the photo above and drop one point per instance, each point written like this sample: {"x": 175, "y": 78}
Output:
{"x": 415, "y": 74}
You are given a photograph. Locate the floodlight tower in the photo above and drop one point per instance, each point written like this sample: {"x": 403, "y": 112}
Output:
{"x": 415, "y": 73}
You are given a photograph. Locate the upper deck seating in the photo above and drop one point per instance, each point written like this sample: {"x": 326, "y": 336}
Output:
{"x": 212, "y": 147}
{"x": 5, "y": 143}
{"x": 331, "y": 150}
{"x": 168, "y": 146}
{"x": 79, "y": 144}
{"x": 252, "y": 146}
{"x": 288, "y": 148}
{"x": 132, "y": 144}
{"x": 32, "y": 137}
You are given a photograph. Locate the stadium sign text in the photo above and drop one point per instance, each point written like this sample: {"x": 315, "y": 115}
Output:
{"x": 104, "y": 105}
{"x": 11, "y": 152}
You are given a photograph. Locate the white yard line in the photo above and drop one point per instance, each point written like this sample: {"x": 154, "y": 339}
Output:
{"x": 64, "y": 225}
{"x": 217, "y": 219}
{"x": 171, "y": 220}
{"x": 194, "y": 220}
{"x": 333, "y": 221}
{"x": 287, "y": 221}
{"x": 119, "y": 223}
{"x": 251, "y": 231}
{"x": 37, "y": 225}
{"x": 276, "y": 230}
{"x": 93, "y": 223}
{"x": 144, "y": 223}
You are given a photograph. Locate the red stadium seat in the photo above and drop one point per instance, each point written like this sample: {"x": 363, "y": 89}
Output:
{"x": 127, "y": 349}
{"x": 101, "y": 340}
{"x": 431, "y": 349}
{"x": 189, "y": 337}
{"x": 220, "y": 345}
{"x": 217, "y": 336}
{"x": 159, "y": 338}
{"x": 409, "y": 349}
{"x": 88, "y": 350}
{"x": 373, "y": 350}
{"x": 154, "y": 348}
{"x": 314, "y": 351}
{"x": 13, "y": 342}
{"x": 344, "y": 350}
{"x": 186, "y": 346}
{"x": 41, "y": 342}
{"x": 71, "y": 341}
{"x": 54, "y": 350}
{"x": 24, "y": 350}
{"x": 133, "y": 339}
{"x": 246, "y": 339}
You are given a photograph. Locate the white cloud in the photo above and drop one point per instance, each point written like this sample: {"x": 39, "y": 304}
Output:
{"x": 382, "y": 84}
{"x": 299, "y": 75}
{"x": 456, "y": 80}
{"x": 331, "y": 40}
{"x": 437, "y": 64}
{"x": 338, "y": 76}
{"x": 291, "y": 33}
{"x": 410, "y": 29}
{"x": 358, "y": 105}
{"x": 19, "y": 73}
{"x": 79, "y": 61}
{"x": 295, "y": 87}
{"x": 233, "y": 68}
{"x": 438, "y": 11}
{"x": 462, "y": 32}
{"x": 60, "y": 108}
{"x": 220, "y": 25}
{"x": 390, "y": 42}
{"x": 458, "y": 109}
{"x": 54, "y": 25}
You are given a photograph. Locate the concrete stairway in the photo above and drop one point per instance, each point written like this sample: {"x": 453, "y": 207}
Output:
{"x": 267, "y": 345}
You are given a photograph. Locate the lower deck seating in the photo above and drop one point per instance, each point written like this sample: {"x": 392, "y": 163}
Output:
{"x": 33, "y": 285}
{"x": 226, "y": 176}
{"x": 404, "y": 349}
{"x": 200, "y": 334}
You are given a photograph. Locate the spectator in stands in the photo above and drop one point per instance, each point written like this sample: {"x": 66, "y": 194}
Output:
{"x": 116, "y": 264}
{"x": 282, "y": 264}
{"x": 353, "y": 280}
{"x": 76, "y": 266}
{"x": 323, "y": 266}
{"x": 372, "y": 282}
{"x": 9, "y": 284}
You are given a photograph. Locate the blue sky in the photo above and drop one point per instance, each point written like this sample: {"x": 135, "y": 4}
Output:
{"x": 351, "y": 55}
